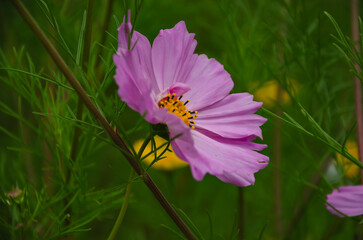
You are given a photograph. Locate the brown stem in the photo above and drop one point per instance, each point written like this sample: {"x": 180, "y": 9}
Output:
{"x": 102, "y": 120}
{"x": 357, "y": 83}
{"x": 277, "y": 172}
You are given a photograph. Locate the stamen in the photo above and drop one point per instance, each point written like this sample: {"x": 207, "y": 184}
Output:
{"x": 173, "y": 104}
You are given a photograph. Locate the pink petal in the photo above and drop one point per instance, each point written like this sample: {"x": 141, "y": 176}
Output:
{"x": 347, "y": 199}
{"x": 232, "y": 117}
{"x": 173, "y": 61}
{"x": 171, "y": 53}
{"x": 139, "y": 55}
{"x": 178, "y": 88}
{"x": 137, "y": 96}
{"x": 134, "y": 73}
{"x": 208, "y": 80}
{"x": 231, "y": 160}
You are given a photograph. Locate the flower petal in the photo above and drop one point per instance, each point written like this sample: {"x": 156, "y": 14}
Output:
{"x": 137, "y": 96}
{"x": 232, "y": 117}
{"x": 139, "y": 55}
{"x": 231, "y": 160}
{"x": 173, "y": 61}
{"x": 134, "y": 73}
{"x": 208, "y": 80}
{"x": 178, "y": 88}
{"x": 347, "y": 199}
{"x": 171, "y": 53}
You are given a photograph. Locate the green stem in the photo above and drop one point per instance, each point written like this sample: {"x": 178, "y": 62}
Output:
{"x": 306, "y": 198}
{"x": 357, "y": 83}
{"x": 121, "y": 215}
{"x": 143, "y": 146}
{"x": 241, "y": 222}
{"x": 277, "y": 186}
{"x": 101, "y": 119}
{"x": 123, "y": 209}
{"x": 84, "y": 61}
{"x": 106, "y": 22}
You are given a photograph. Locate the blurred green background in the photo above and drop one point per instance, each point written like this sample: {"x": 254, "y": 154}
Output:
{"x": 261, "y": 43}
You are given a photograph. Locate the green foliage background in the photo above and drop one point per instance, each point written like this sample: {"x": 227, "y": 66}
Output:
{"x": 256, "y": 41}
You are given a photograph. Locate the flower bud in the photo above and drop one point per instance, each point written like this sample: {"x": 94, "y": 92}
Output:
{"x": 16, "y": 195}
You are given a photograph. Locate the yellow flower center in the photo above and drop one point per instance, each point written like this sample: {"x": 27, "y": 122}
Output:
{"x": 176, "y": 106}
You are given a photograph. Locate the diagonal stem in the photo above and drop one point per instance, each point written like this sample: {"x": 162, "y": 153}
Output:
{"x": 101, "y": 119}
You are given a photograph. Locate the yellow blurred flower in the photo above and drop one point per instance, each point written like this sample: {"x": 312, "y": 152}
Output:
{"x": 169, "y": 163}
{"x": 267, "y": 93}
{"x": 351, "y": 170}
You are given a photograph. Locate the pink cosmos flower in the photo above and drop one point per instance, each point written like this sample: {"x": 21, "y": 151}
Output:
{"x": 347, "y": 199}
{"x": 168, "y": 83}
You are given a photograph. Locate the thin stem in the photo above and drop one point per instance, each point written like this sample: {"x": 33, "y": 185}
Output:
{"x": 87, "y": 35}
{"x": 84, "y": 60}
{"x": 277, "y": 173}
{"x": 101, "y": 119}
{"x": 143, "y": 146}
{"x": 357, "y": 83}
{"x": 104, "y": 35}
{"x": 123, "y": 209}
{"x": 77, "y": 133}
{"x": 241, "y": 229}
{"x": 121, "y": 215}
{"x": 306, "y": 197}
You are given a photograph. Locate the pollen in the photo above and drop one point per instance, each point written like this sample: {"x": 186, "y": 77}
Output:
{"x": 175, "y": 105}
